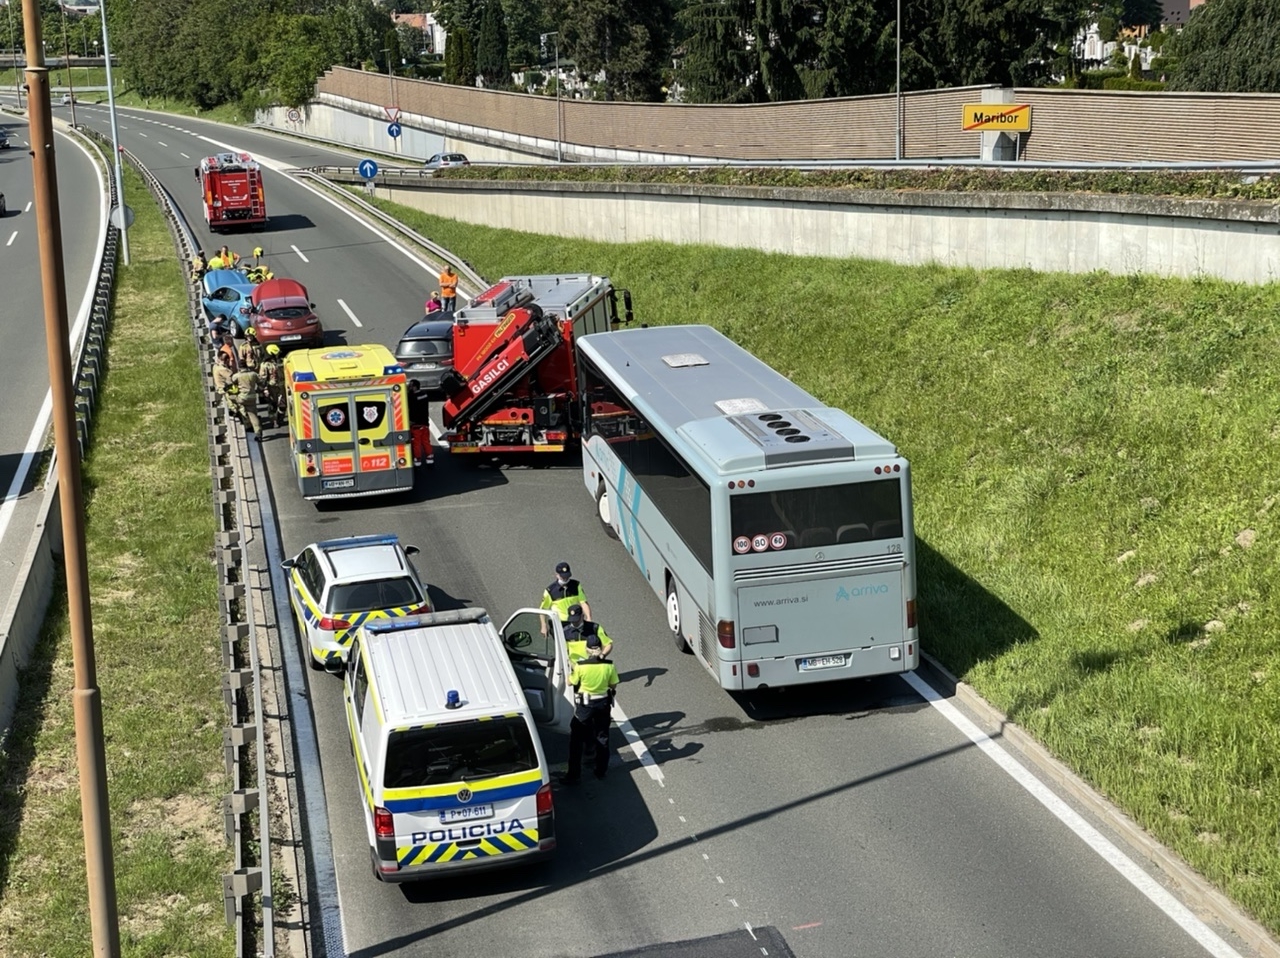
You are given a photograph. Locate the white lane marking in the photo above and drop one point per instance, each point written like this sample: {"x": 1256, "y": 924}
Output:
{"x": 347, "y": 309}
{"x": 637, "y": 744}
{"x": 12, "y": 238}
{"x": 183, "y": 155}
{"x": 140, "y": 133}
{"x": 162, "y": 143}
{"x": 35, "y": 442}
{"x": 27, "y": 208}
{"x": 300, "y": 253}
{"x": 1181, "y": 915}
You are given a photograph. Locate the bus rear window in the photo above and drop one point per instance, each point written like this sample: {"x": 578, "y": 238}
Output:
{"x": 806, "y": 518}
{"x": 458, "y": 752}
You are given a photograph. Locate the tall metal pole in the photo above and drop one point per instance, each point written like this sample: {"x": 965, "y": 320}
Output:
{"x": 13, "y": 44}
{"x": 559, "y": 111}
{"x": 66, "y": 62}
{"x": 86, "y": 697}
{"x": 115, "y": 140}
{"x": 897, "y": 99}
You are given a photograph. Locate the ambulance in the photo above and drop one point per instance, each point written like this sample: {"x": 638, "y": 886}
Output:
{"x": 348, "y": 421}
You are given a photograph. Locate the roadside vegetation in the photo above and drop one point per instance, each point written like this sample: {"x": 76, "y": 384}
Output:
{"x": 156, "y": 629}
{"x": 1190, "y": 185}
{"x": 1099, "y": 522}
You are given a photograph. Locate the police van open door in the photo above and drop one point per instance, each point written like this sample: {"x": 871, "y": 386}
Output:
{"x": 534, "y": 640}
{"x": 348, "y": 422}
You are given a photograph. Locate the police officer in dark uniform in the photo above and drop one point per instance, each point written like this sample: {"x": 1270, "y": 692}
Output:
{"x": 564, "y": 592}
{"x": 578, "y": 630}
{"x": 595, "y": 682}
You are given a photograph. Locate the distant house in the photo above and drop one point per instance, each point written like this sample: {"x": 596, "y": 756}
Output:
{"x": 433, "y": 36}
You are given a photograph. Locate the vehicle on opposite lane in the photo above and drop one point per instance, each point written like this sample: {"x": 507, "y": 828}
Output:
{"x": 337, "y": 585}
{"x": 442, "y": 161}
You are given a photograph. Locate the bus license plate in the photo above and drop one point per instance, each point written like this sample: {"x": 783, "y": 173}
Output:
{"x": 821, "y": 662}
{"x": 469, "y": 814}
{"x": 339, "y": 483}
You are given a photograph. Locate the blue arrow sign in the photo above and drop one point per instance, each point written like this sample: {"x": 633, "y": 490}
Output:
{"x": 394, "y": 130}
{"x": 368, "y": 169}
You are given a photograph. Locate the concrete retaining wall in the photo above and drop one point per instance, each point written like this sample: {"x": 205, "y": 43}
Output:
{"x": 1231, "y": 240}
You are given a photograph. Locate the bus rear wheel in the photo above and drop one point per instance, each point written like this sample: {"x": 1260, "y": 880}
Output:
{"x": 604, "y": 511}
{"x": 673, "y": 616}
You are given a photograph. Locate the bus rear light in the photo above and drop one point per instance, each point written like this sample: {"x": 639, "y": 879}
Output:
{"x": 911, "y": 649}
{"x": 911, "y": 613}
{"x": 896, "y": 467}
{"x": 753, "y": 670}
{"x": 383, "y": 824}
{"x": 725, "y": 633}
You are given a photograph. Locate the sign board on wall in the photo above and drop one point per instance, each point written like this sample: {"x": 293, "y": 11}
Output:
{"x": 1005, "y": 117}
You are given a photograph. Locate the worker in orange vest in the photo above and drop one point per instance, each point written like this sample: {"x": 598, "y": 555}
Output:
{"x": 449, "y": 289}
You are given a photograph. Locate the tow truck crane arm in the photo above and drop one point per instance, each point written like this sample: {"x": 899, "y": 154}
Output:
{"x": 530, "y": 338}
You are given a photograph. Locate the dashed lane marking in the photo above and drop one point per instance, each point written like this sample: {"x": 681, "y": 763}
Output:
{"x": 352, "y": 316}
{"x": 301, "y": 254}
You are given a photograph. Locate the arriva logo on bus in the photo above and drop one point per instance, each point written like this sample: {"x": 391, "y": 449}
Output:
{"x": 846, "y": 595}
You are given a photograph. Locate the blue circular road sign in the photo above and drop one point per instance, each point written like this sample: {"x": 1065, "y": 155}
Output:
{"x": 368, "y": 169}
{"x": 394, "y": 130}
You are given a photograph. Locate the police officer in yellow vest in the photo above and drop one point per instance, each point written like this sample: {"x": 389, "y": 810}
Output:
{"x": 594, "y": 681}
{"x": 564, "y": 592}
{"x": 578, "y": 630}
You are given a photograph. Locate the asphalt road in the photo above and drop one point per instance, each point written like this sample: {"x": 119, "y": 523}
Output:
{"x": 23, "y": 360}
{"x": 849, "y": 819}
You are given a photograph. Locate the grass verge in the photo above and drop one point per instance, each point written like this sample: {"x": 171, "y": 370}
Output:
{"x": 1098, "y": 516}
{"x": 149, "y": 531}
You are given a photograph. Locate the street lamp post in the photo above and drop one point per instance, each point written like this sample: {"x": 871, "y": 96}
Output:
{"x": 897, "y": 98}
{"x": 391, "y": 82}
{"x": 66, "y": 58}
{"x": 555, "y": 35}
{"x": 115, "y": 143}
{"x": 13, "y": 48}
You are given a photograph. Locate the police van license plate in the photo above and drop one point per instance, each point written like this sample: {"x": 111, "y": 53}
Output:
{"x": 338, "y": 483}
{"x": 821, "y": 662}
{"x": 291, "y": 338}
{"x": 469, "y": 814}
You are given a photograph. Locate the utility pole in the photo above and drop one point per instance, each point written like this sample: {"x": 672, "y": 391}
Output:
{"x": 123, "y": 225}
{"x": 559, "y": 124}
{"x": 897, "y": 87}
{"x": 66, "y": 62}
{"x": 86, "y": 697}
{"x": 13, "y": 49}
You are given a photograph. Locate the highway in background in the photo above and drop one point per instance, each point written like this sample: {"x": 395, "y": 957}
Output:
{"x": 845, "y": 819}
{"x": 24, "y": 365}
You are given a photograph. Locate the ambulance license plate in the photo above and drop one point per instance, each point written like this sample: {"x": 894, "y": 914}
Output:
{"x": 290, "y": 337}
{"x": 469, "y": 814}
{"x": 821, "y": 662}
{"x": 338, "y": 483}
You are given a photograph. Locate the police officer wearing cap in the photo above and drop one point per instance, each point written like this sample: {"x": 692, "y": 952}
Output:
{"x": 594, "y": 681}
{"x": 578, "y": 632}
{"x": 564, "y": 592}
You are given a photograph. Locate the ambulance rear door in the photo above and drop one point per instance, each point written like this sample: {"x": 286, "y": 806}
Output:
{"x": 358, "y": 440}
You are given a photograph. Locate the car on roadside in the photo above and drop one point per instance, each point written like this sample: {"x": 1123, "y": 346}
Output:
{"x": 442, "y": 161}
{"x": 227, "y": 297}
{"x": 281, "y": 312}
{"x": 67, "y": 99}
{"x": 337, "y": 585}
{"x": 426, "y": 350}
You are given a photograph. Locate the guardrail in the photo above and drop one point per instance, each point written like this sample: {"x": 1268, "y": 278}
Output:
{"x": 465, "y": 269}
{"x": 245, "y": 809}
{"x": 24, "y": 614}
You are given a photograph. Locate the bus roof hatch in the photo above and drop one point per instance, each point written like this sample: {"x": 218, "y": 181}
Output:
{"x": 792, "y": 436}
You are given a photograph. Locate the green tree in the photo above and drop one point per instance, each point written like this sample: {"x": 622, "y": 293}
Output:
{"x": 1229, "y": 46}
{"x": 621, "y": 47}
{"x": 491, "y": 49}
{"x": 715, "y": 64}
{"x": 857, "y": 49}
{"x": 526, "y": 22}
{"x": 460, "y": 58}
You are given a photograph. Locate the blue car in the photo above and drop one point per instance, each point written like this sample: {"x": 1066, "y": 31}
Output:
{"x": 225, "y": 294}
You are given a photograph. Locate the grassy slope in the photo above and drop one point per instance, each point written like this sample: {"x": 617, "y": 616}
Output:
{"x": 1095, "y": 496}
{"x": 155, "y": 616}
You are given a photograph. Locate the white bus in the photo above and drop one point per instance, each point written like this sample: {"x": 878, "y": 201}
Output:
{"x": 777, "y": 530}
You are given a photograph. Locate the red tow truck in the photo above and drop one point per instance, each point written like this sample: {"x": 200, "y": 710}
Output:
{"x": 513, "y": 386}
{"x": 232, "y": 188}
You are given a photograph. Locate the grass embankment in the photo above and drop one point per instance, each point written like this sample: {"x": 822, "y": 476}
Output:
{"x": 225, "y": 113}
{"x": 1096, "y": 500}
{"x": 156, "y": 627}
{"x": 1192, "y": 185}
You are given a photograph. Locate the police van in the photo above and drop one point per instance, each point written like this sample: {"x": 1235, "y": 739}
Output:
{"x": 443, "y": 711}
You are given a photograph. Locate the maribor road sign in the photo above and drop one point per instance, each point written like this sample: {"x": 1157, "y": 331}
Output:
{"x": 1005, "y": 117}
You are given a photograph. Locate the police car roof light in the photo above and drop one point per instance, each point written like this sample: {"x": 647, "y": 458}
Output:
{"x": 427, "y": 620}
{"x": 357, "y": 542}
{"x": 398, "y": 624}
{"x": 452, "y": 700}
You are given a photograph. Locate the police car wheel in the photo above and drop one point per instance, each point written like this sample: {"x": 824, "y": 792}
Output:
{"x": 604, "y": 511}
{"x": 673, "y": 616}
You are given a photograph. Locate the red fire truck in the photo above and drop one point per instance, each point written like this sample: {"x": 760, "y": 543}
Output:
{"x": 514, "y": 383}
{"x": 232, "y": 187}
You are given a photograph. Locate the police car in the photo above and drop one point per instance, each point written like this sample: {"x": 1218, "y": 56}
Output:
{"x": 337, "y": 585}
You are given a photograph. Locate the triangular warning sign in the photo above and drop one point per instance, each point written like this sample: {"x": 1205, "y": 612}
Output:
{"x": 393, "y": 113}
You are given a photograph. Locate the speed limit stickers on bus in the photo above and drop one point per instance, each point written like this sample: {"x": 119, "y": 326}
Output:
{"x": 778, "y": 540}
{"x": 742, "y": 545}
{"x": 760, "y": 543}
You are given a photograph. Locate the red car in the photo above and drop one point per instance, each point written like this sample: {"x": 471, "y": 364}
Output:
{"x": 281, "y": 312}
